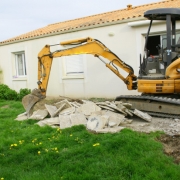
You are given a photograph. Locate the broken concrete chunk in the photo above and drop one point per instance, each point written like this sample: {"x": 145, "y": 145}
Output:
{"x": 65, "y": 121}
{"x": 51, "y": 109}
{"x": 115, "y": 117}
{"x": 112, "y": 107}
{"x": 106, "y": 107}
{"x": 97, "y": 122}
{"x": 22, "y": 117}
{"x": 93, "y": 122}
{"x": 39, "y": 114}
{"x": 110, "y": 130}
{"x": 60, "y": 103}
{"x": 67, "y": 111}
{"x": 88, "y": 108}
{"x": 58, "y": 110}
{"x": 49, "y": 121}
{"x": 112, "y": 124}
{"x": 75, "y": 104}
{"x": 77, "y": 119}
{"x": 143, "y": 115}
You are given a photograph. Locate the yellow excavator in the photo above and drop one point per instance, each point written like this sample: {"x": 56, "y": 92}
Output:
{"x": 158, "y": 79}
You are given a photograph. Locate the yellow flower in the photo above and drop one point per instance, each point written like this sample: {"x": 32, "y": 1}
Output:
{"x": 40, "y": 143}
{"x": 71, "y": 135}
{"x": 2, "y": 178}
{"x": 15, "y": 144}
{"x": 39, "y": 152}
{"x": 12, "y": 144}
{"x": 55, "y": 148}
{"x": 58, "y": 129}
{"x": 97, "y": 144}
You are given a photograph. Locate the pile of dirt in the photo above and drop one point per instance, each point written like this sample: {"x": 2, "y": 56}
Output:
{"x": 171, "y": 146}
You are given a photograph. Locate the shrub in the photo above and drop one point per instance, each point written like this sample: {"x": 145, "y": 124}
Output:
{"x": 9, "y": 94}
{"x": 23, "y": 92}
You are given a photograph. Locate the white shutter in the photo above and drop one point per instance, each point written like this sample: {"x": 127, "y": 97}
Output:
{"x": 74, "y": 64}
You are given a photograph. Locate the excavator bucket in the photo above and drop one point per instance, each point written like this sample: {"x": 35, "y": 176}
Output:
{"x": 30, "y": 100}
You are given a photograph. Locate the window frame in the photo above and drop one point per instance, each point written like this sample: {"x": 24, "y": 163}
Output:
{"x": 22, "y": 53}
{"x": 67, "y": 75}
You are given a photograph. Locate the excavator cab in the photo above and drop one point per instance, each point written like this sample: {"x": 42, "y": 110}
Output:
{"x": 154, "y": 67}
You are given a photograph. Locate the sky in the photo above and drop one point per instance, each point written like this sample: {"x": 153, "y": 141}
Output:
{"x": 21, "y": 16}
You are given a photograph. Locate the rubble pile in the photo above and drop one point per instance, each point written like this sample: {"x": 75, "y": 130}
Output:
{"x": 101, "y": 117}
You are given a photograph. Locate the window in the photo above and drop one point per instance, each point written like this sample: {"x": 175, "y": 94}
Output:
{"x": 74, "y": 66}
{"x": 20, "y": 64}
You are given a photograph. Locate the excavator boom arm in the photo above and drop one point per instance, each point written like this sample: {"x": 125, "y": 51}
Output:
{"x": 83, "y": 46}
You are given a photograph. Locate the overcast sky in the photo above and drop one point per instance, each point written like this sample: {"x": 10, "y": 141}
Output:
{"x": 21, "y": 16}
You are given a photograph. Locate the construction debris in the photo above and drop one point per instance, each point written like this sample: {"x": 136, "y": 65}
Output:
{"x": 101, "y": 117}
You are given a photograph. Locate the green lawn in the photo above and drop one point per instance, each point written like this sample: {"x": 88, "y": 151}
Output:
{"x": 30, "y": 152}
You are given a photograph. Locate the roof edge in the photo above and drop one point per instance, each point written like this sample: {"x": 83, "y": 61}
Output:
{"x": 74, "y": 30}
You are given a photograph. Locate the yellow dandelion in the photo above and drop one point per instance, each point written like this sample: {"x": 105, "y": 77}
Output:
{"x": 40, "y": 143}
{"x": 55, "y": 148}
{"x": 97, "y": 144}
{"x": 12, "y": 145}
{"x": 71, "y": 135}
{"x": 39, "y": 152}
{"x": 2, "y": 178}
{"x": 15, "y": 144}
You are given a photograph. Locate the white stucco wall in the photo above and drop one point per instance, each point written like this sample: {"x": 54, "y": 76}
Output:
{"x": 127, "y": 42}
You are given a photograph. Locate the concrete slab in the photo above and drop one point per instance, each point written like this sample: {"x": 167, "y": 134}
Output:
{"x": 115, "y": 117}
{"x": 22, "y": 117}
{"x": 65, "y": 101}
{"x": 97, "y": 122}
{"x": 67, "y": 111}
{"x": 110, "y": 130}
{"x": 51, "y": 109}
{"x": 92, "y": 122}
{"x": 49, "y": 121}
{"x": 39, "y": 114}
{"x": 58, "y": 110}
{"x": 107, "y": 108}
{"x": 112, "y": 107}
{"x": 88, "y": 108}
{"x": 77, "y": 119}
{"x": 75, "y": 104}
{"x": 143, "y": 115}
{"x": 65, "y": 121}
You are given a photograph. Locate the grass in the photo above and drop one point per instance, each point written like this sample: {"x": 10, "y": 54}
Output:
{"x": 30, "y": 152}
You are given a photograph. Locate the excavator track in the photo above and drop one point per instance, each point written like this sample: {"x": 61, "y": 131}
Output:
{"x": 154, "y": 105}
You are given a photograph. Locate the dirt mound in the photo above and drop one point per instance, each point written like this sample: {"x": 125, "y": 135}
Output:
{"x": 171, "y": 146}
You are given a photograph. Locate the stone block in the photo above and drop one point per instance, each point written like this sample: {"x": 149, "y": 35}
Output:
{"x": 77, "y": 119}
{"x": 67, "y": 111}
{"x": 143, "y": 115}
{"x": 65, "y": 121}
{"x": 39, "y": 114}
{"x": 88, "y": 108}
{"x": 49, "y": 121}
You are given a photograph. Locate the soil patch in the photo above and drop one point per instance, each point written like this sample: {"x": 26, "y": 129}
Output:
{"x": 171, "y": 146}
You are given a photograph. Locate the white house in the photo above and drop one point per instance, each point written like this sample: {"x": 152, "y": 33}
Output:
{"x": 122, "y": 31}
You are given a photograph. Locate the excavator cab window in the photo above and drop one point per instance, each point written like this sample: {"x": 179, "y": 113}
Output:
{"x": 154, "y": 67}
